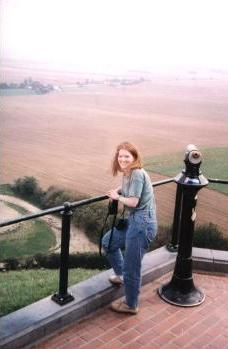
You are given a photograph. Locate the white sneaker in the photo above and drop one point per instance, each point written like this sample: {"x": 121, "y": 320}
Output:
{"x": 116, "y": 280}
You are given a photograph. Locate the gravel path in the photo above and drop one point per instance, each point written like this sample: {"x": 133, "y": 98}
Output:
{"x": 78, "y": 242}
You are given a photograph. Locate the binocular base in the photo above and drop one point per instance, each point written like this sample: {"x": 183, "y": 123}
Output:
{"x": 172, "y": 248}
{"x": 174, "y": 296}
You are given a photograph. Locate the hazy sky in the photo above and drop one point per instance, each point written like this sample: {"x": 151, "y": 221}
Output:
{"x": 116, "y": 34}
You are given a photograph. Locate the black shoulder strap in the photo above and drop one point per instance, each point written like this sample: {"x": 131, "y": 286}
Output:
{"x": 112, "y": 210}
{"x": 112, "y": 229}
{"x": 102, "y": 234}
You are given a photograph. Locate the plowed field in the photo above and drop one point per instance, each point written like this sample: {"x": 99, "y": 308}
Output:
{"x": 67, "y": 138}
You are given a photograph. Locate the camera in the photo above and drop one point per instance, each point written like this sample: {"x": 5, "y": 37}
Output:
{"x": 113, "y": 207}
{"x": 121, "y": 224}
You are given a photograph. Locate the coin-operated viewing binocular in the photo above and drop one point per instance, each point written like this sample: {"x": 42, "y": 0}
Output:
{"x": 181, "y": 289}
{"x": 193, "y": 155}
{"x": 191, "y": 175}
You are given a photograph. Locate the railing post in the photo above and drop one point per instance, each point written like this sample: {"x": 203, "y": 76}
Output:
{"x": 181, "y": 289}
{"x": 63, "y": 297}
{"x": 173, "y": 245}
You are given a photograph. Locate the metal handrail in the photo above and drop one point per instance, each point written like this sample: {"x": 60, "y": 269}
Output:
{"x": 52, "y": 210}
{"x": 70, "y": 205}
{"x": 164, "y": 181}
{"x": 31, "y": 216}
{"x": 216, "y": 180}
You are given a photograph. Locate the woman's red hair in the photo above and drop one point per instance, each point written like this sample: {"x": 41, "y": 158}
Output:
{"x": 137, "y": 163}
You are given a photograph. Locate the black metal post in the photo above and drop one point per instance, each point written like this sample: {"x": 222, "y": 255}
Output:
{"x": 63, "y": 297}
{"x": 173, "y": 245}
{"x": 181, "y": 289}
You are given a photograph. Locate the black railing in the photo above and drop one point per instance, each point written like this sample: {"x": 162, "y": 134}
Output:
{"x": 63, "y": 297}
{"x": 219, "y": 181}
{"x": 175, "y": 232}
{"x": 71, "y": 205}
{"x": 180, "y": 290}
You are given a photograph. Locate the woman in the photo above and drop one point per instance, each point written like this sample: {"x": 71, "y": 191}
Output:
{"x": 136, "y": 194}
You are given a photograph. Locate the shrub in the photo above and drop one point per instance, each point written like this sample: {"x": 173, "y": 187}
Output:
{"x": 55, "y": 196}
{"x": 205, "y": 236}
{"x": 91, "y": 219}
{"x": 29, "y": 189}
{"x": 12, "y": 263}
{"x": 88, "y": 260}
{"x": 209, "y": 236}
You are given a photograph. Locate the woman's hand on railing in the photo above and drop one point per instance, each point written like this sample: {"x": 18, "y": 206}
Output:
{"x": 113, "y": 194}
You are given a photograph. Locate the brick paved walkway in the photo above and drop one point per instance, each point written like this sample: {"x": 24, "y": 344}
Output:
{"x": 157, "y": 325}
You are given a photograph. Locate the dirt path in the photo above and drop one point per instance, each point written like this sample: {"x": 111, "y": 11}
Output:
{"x": 7, "y": 213}
{"x": 78, "y": 242}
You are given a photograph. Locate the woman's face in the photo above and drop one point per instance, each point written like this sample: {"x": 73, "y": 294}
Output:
{"x": 125, "y": 159}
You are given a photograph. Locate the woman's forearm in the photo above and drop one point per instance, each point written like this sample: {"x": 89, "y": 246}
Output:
{"x": 130, "y": 202}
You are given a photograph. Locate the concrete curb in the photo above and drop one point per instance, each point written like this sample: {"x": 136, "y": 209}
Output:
{"x": 210, "y": 260}
{"x": 34, "y": 322}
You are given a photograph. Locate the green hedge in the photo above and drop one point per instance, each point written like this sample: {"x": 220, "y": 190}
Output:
{"x": 86, "y": 260}
{"x": 209, "y": 236}
{"x": 206, "y": 236}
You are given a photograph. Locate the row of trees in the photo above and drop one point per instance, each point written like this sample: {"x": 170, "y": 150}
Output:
{"x": 35, "y": 86}
{"x": 110, "y": 82}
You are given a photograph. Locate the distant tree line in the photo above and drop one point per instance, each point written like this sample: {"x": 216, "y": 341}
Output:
{"x": 30, "y": 84}
{"x": 111, "y": 82}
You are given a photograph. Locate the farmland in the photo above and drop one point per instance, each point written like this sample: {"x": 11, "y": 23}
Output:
{"x": 68, "y": 138}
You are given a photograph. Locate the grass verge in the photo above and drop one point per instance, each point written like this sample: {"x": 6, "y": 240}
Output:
{"x": 214, "y": 165}
{"x": 27, "y": 239}
{"x": 21, "y": 288}
{"x": 17, "y": 208}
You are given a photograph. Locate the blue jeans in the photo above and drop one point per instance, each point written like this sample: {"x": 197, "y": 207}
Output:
{"x": 135, "y": 239}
